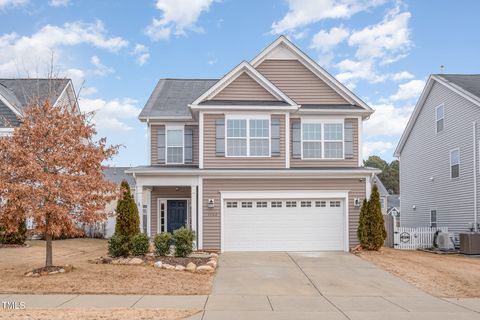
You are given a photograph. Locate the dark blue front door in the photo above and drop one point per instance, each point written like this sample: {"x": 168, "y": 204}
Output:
{"x": 176, "y": 214}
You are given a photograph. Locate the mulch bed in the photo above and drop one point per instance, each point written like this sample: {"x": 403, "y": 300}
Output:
{"x": 182, "y": 261}
{"x": 43, "y": 271}
{"x": 13, "y": 245}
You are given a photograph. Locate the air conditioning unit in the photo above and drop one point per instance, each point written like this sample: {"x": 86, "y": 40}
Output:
{"x": 445, "y": 241}
{"x": 470, "y": 243}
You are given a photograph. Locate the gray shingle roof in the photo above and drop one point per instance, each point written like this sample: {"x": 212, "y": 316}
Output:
{"x": 468, "y": 82}
{"x": 117, "y": 174}
{"x": 393, "y": 201}
{"x": 171, "y": 97}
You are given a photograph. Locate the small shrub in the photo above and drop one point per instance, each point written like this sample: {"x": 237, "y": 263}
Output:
{"x": 183, "y": 239}
{"x": 17, "y": 237}
{"x": 162, "y": 243}
{"x": 119, "y": 246}
{"x": 371, "y": 229}
{"x": 128, "y": 220}
{"x": 140, "y": 244}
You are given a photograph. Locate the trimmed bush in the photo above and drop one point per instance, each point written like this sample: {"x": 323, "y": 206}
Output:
{"x": 119, "y": 246}
{"x": 183, "y": 239}
{"x": 128, "y": 220}
{"x": 140, "y": 244}
{"x": 162, "y": 243}
{"x": 371, "y": 229}
{"x": 17, "y": 237}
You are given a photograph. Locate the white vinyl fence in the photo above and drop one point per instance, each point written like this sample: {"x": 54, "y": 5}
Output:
{"x": 415, "y": 238}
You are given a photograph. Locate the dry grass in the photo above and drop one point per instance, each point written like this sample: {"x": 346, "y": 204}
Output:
{"x": 91, "y": 278}
{"x": 440, "y": 275}
{"x": 96, "y": 314}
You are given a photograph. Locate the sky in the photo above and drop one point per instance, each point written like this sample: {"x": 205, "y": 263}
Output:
{"x": 116, "y": 51}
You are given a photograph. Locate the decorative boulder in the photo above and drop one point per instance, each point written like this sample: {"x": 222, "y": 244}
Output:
{"x": 191, "y": 267}
{"x": 214, "y": 255}
{"x": 205, "y": 269}
{"x": 179, "y": 267}
{"x": 158, "y": 264}
{"x": 168, "y": 266}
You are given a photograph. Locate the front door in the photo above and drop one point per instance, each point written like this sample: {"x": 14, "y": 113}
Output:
{"x": 176, "y": 214}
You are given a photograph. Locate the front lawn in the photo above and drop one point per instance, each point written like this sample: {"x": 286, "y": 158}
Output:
{"x": 90, "y": 278}
{"x": 441, "y": 275}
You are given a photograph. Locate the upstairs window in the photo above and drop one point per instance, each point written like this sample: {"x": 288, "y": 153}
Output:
{"x": 322, "y": 140}
{"x": 333, "y": 140}
{"x": 440, "y": 118}
{"x": 248, "y": 137}
{"x": 455, "y": 163}
{"x": 237, "y": 138}
{"x": 312, "y": 140}
{"x": 259, "y": 138}
{"x": 175, "y": 145}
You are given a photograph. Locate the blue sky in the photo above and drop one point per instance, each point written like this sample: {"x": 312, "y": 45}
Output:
{"x": 383, "y": 50}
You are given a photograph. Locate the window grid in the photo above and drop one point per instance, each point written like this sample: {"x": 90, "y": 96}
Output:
{"x": 248, "y": 138}
{"x": 262, "y": 204}
{"x": 247, "y": 204}
{"x": 276, "y": 204}
{"x": 335, "y": 204}
{"x": 322, "y": 140}
{"x": 291, "y": 204}
{"x": 175, "y": 137}
{"x": 455, "y": 163}
{"x": 320, "y": 204}
{"x": 232, "y": 204}
{"x": 305, "y": 204}
{"x": 440, "y": 118}
{"x": 433, "y": 218}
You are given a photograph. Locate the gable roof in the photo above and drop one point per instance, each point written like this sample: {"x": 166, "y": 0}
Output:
{"x": 467, "y": 86}
{"x": 314, "y": 67}
{"x": 243, "y": 67}
{"x": 393, "y": 200}
{"x": 117, "y": 174}
{"x": 171, "y": 97}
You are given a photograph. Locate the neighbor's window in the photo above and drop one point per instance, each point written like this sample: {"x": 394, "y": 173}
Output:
{"x": 440, "y": 115}
{"x": 455, "y": 163}
{"x": 382, "y": 202}
{"x": 248, "y": 137}
{"x": 322, "y": 140}
{"x": 174, "y": 145}
{"x": 433, "y": 218}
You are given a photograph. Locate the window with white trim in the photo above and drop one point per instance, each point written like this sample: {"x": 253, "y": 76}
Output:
{"x": 175, "y": 139}
{"x": 440, "y": 118}
{"x": 305, "y": 204}
{"x": 322, "y": 140}
{"x": 320, "y": 204}
{"x": 335, "y": 204}
{"x": 455, "y": 163}
{"x": 231, "y": 204}
{"x": 433, "y": 218}
{"x": 262, "y": 204}
{"x": 248, "y": 137}
{"x": 276, "y": 204}
{"x": 247, "y": 204}
{"x": 291, "y": 204}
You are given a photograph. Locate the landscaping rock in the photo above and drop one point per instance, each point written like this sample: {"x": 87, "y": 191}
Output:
{"x": 53, "y": 272}
{"x": 29, "y": 274}
{"x": 68, "y": 268}
{"x": 205, "y": 269}
{"x": 214, "y": 255}
{"x": 168, "y": 266}
{"x": 135, "y": 261}
{"x": 191, "y": 267}
{"x": 35, "y": 275}
{"x": 158, "y": 264}
{"x": 212, "y": 263}
{"x": 61, "y": 270}
{"x": 179, "y": 267}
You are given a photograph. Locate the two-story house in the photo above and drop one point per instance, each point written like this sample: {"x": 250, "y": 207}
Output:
{"x": 439, "y": 156}
{"x": 269, "y": 157}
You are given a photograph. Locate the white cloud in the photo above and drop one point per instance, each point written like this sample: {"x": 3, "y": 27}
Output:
{"x": 142, "y": 54}
{"x": 100, "y": 69}
{"x": 12, "y": 3}
{"x": 178, "y": 17}
{"x": 111, "y": 115}
{"x": 387, "y": 120}
{"x": 351, "y": 71}
{"x": 408, "y": 90}
{"x": 403, "y": 75}
{"x": 325, "y": 41}
{"x": 376, "y": 148}
{"x": 59, "y": 3}
{"x": 304, "y": 12}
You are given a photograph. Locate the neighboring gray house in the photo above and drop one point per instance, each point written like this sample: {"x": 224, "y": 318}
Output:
{"x": 383, "y": 193}
{"x": 439, "y": 155}
{"x": 17, "y": 94}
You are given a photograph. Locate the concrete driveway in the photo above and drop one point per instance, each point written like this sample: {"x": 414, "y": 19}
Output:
{"x": 318, "y": 285}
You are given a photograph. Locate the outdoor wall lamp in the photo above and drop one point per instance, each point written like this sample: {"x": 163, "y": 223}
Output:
{"x": 356, "y": 202}
{"x": 211, "y": 203}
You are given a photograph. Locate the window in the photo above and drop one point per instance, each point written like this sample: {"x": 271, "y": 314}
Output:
{"x": 305, "y": 204}
{"x": 320, "y": 204}
{"x": 433, "y": 218}
{"x": 382, "y": 203}
{"x": 291, "y": 204}
{"x": 231, "y": 204}
{"x": 335, "y": 204}
{"x": 246, "y": 204}
{"x": 455, "y": 163}
{"x": 261, "y": 204}
{"x": 175, "y": 145}
{"x": 322, "y": 140}
{"x": 276, "y": 204}
{"x": 439, "y": 116}
{"x": 248, "y": 137}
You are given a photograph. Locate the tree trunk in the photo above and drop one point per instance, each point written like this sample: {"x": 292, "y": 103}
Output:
{"x": 49, "y": 255}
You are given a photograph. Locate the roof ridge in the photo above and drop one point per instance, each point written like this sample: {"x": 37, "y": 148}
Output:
{"x": 35, "y": 79}
{"x": 190, "y": 79}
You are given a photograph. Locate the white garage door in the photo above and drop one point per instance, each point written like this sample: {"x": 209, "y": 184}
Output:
{"x": 284, "y": 225}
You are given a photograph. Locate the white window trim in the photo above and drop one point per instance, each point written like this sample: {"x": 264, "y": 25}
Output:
{"x": 175, "y": 127}
{"x": 322, "y": 122}
{"x": 436, "y": 118}
{"x": 459, "y": 163}
{"x": 436, "y": 217}
{"x": 247, "y": 119}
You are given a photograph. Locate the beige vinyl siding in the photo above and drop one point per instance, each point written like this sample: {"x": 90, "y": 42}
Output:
{"x": 213, "y": 187}
{"x": 298, "y": 163}
{"x": 153, "y": 145}
{"x": 164, "y": 192}
{"x": 244, "y": 88}
{"x": 210, "y": 160}
{"x": 299, "y": 83}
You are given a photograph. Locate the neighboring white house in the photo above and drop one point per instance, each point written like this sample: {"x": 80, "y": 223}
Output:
{"x": 439, "y": 155}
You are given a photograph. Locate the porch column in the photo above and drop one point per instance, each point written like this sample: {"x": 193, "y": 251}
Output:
{"x": 193, "y": 211}
{"x": 139, "y": 200}
{"x": 149, "y": 210}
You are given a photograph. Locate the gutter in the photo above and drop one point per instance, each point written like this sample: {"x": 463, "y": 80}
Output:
{"x": 475, "y": 214}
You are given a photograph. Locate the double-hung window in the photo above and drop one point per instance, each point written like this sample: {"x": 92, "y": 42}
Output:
{"x": 248, "y": 137}
{"x": 440, "y": 118}
{"x": 455, "y": 163}
{"x": 322, "y": 140}
{"x": 174, "y": 144}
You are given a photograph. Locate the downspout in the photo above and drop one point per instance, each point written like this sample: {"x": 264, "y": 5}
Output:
{"x": 475, "y": 176}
